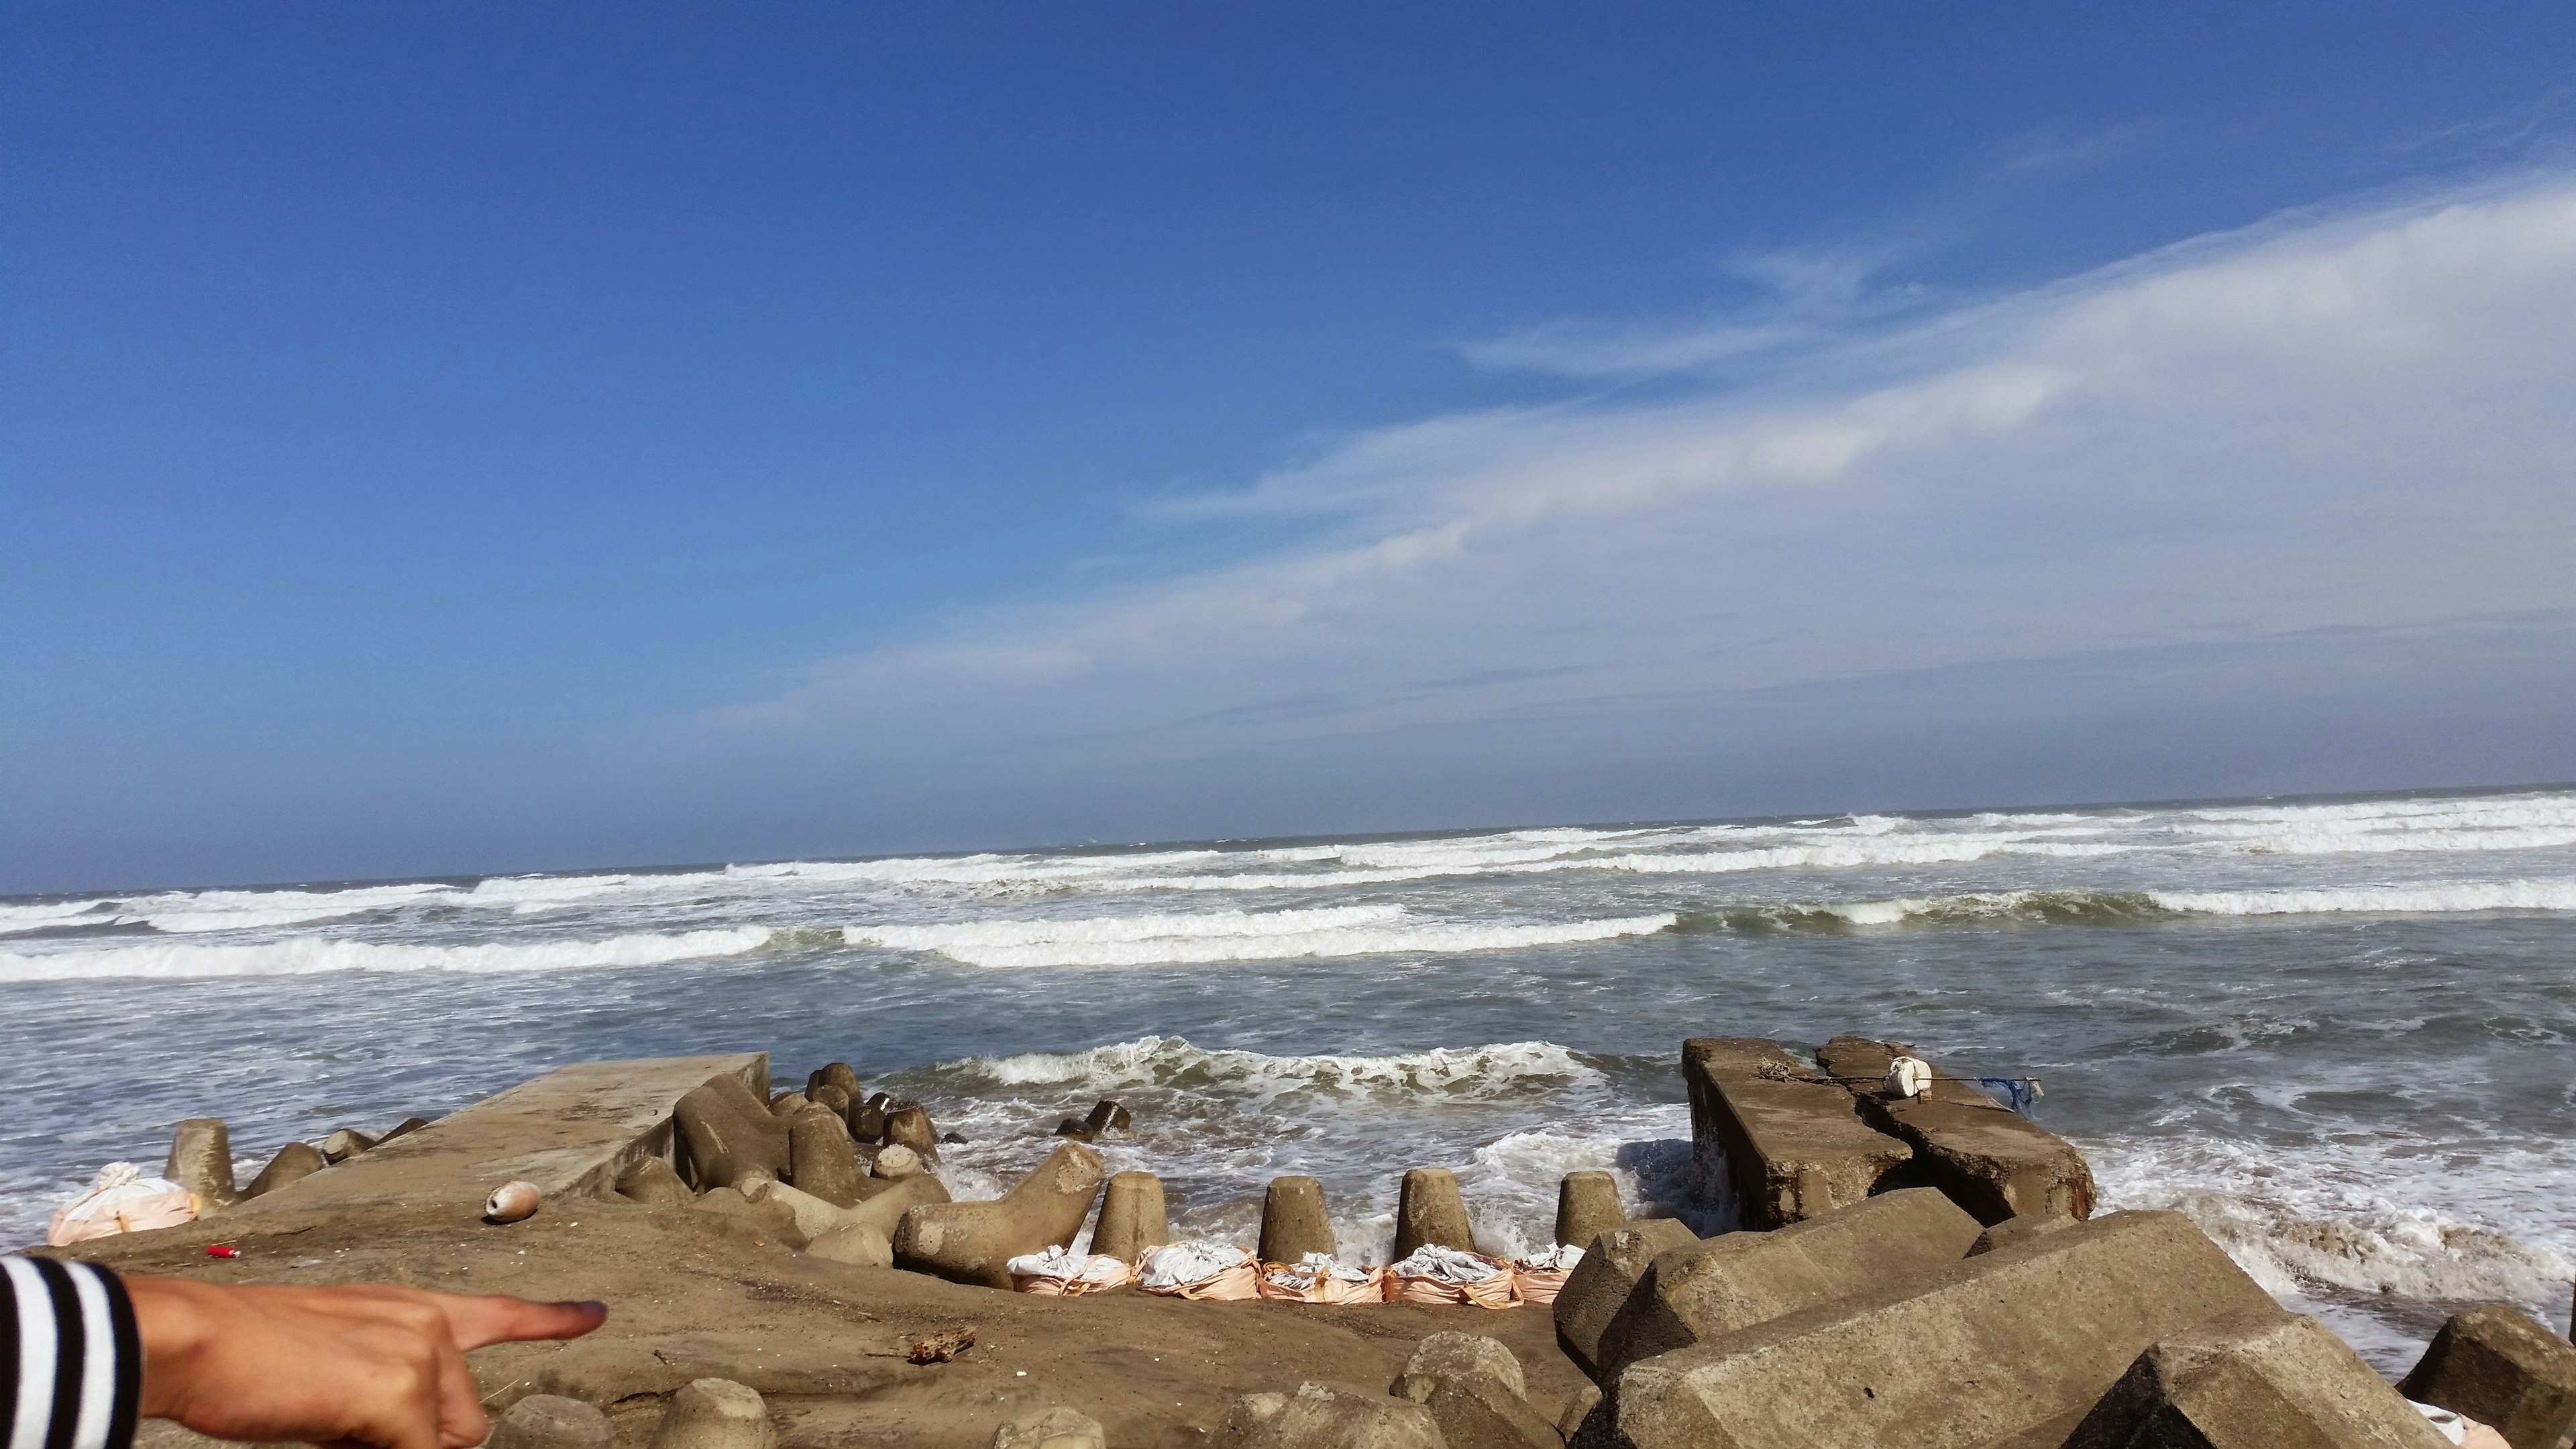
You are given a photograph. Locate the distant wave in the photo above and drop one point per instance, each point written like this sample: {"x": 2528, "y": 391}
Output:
{"x": 311, "y": 956}
{"x": 2106, "y": 908}
{"x": 1504, "y": 1069}
{"x": 2510, "y": 895}
{"x": 1229, "y": 936}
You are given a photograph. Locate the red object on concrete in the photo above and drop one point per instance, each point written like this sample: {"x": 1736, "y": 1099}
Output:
{"x": 222, "y": 1250}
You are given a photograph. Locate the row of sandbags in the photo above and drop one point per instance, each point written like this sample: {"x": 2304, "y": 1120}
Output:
{"x": 1217, "y": 1272}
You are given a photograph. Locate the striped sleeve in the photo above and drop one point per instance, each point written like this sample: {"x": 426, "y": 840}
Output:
{"x": 71, "y": 1366}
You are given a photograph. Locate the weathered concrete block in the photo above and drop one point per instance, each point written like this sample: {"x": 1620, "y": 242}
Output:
{"x": 1587, "y": 1205}
{"x": 2267, "y": 1380}
{"x": 895, "y": 1163}
{"x": 1578, "y": 1407}
{"x": 753, "y": 1105}
{"x": 907, "y": 1124}
{"x": 857, "y": 1244}
{"x": 1461, "y": 1356}
{"x": 1294, "y": 1221}
{"x": 820, "y": 1157}
{"x": 345, "y": 1143}
{"x": 784, "y": 1105}
{"x": 1600, "y": 1284}
{"x": 1789, "y": 1145}
{"x": 814, "y": 1216}
{"x": 403, "y": 1128}
{"x": 831, "y": 1099}
{"x": 1131, "y": 1217}
{"x": 1475, "y": 1415}
{"x": 840, "y": 1076}
{"x": 1992, "y": 1160}
{"x": 1057, "y": 1428}
{"x": 549, "y": 1421}
{"x": 972, "y": 1242}
{"x": 715, "y": 1414}
{"x": 294, "y": 1161}
{"x": 1429, "y": 1210}
{"x": 883, "y": 1209}
{"x": 774, "y": 1221}
{"x": 1316, "y": 1417}
{"x": 1735, "y": 1280}
{"x": 2496, "y": 1365}
{"x": 723, "y": 1144}
{"x": 1972, "y": 1355}
{"x": 201, "y": 1160}
{"x": 653, "y": 1182}
{"x": 2013, "y": 1230}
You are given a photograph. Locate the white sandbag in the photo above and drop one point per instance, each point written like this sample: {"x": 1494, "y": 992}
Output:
{"x": 122, "y": 1200}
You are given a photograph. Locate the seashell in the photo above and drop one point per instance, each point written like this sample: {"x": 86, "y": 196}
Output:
{"x": 511, "y": 1201}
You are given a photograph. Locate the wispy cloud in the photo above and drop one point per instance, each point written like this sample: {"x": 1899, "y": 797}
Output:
{"x": 2361, "y": 419}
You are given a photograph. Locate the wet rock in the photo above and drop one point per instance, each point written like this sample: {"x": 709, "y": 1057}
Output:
{"x": 293, "y": 1162}
{"x": 1294, "y": 1221}
{"x": 857, "y": 1244}
{"x": 653, "y": 1182}
{"x": 201, "y": 1160}
{"x": 715, "y": 1414}
{"x": 952, "y": 1139}
{"x": 907, "y": 1124}
{"x": 549, "y": 1421}
{"x": 821, "y": 1158}
{"x": 722, "y": 1145}
{"x": 1429, "y": 1210}
{"x": 1612, "y": 1266}
{"x": 1587, "y": 1205}
{"x": 1317, "y": 1417}
{"x": 1057, "y": 1428}
{"x": 344, "y": 1144}
{"x": 1131, "y": 1217}
{"x": 971, "y": 1242}
{"x": 868, "y": 1119}
{"x": 839, "y": 1076}
{"x": 1105, "y": 1116}
{"x": 2497, "y": 1365}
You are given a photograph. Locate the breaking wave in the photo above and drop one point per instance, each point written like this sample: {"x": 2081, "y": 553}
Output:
{"x": 1506, "y": 1069}
{"x": 311, "y": 957}
{"x": 2509, "y": 895}
{"x": 1229, "y": 936}
{"x": 2111, "y": 908}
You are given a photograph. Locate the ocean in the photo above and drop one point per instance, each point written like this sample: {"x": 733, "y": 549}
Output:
{"x": 2335, "y": 1032}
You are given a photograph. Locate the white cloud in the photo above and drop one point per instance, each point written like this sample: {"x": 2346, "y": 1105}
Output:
{"x": 2364, "y": 419}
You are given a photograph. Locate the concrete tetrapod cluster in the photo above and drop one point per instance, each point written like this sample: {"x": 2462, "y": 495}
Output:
{"x": 201, "y": 1160}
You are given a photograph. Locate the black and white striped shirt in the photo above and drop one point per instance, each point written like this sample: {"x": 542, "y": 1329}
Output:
{"x": 71, "y": 1367}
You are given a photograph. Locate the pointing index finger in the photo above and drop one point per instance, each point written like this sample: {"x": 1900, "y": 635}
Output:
{"x": 477, "y": 1321}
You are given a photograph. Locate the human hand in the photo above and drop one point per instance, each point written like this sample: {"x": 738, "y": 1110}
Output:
{"x": 363, "y": 1364}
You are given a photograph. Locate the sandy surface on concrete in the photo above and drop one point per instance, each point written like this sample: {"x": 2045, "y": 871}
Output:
{"x": 694, "y": 1294}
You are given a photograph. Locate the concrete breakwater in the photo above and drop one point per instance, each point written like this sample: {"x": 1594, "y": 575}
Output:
{"x": 1919, "y": 1269}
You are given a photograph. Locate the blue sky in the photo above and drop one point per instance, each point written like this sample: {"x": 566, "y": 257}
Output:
{"x": 441, "y": 439}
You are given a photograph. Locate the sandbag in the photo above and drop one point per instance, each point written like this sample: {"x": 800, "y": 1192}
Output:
{"x": 1063, "y": 1273}
{"x": 1434, "y": 1274}
{"x": 122, "y": 1200}
{"x": 1319, "y": 1278}
{"x": 1541, "y": 1276}
{"x": 1199, "y": 1271}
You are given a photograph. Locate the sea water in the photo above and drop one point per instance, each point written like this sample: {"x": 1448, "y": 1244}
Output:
{"x": 2334, "y": 1032}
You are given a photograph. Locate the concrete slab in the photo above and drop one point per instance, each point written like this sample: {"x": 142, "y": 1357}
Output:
{"x": 1985, "y": 1352}
{"x": 571, "y": 1132}
{"x": 1990, "y": 1159}
{"x": 2270, "y": 1381}
{"x": 1790, "y": 1145}
{"x": 1731, "y": 1282}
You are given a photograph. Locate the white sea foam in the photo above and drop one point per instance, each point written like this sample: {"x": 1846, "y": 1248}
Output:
{"x": 45, "y": 915}
{"x": 311, "y": 955}
{"x": 2510, "y": 895}
{"x": 1504, "y": 1069}
{"x": 1230, "y": 936}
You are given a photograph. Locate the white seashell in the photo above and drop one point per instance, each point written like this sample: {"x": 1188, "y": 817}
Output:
{"x": 510, "y": 1202}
